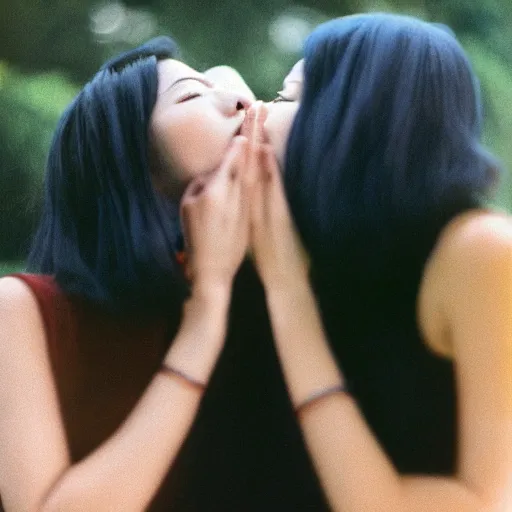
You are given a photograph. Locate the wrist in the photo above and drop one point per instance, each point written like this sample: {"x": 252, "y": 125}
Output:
{"x": 200, "y": 340}
{"x": 300, "y": 340}
{"x": 295, "y": 286}
{"x": 211, "y": 291}
{"x": 206, "y": 310}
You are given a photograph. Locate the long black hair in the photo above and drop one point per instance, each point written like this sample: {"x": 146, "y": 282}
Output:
{"x": 385, "y": 147}
{"x": 384, "y": 151}
{"x": 105, "y": 233}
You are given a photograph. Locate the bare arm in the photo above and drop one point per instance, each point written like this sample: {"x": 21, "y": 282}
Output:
{"x": 126, "y": 471}
{"x": 353, "y": 468}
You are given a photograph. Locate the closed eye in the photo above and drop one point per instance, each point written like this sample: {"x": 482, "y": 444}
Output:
{"x": 189, "y": 97}
{"x": 280, "y": 97}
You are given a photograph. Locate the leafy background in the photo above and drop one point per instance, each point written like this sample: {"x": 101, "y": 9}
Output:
{"x": 48, "y": 49}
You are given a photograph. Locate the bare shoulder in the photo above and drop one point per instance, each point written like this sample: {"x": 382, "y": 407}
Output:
{"x": 475, "y": 260}
{"x": 32, "y": 458}
{"x": 19, "y": 313}
{"x": 471, "y": 240}
{"x": 16, "y": 297}
{"x": 473, "y": 251}
{"x": 14, "y": 289}
{"x": 476, "y": 233}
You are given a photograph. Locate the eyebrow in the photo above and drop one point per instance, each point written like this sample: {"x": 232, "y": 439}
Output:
{"x": 182, "y": 79}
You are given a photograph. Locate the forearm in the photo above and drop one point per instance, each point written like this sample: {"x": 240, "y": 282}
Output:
{"x": 305, "y": 356}
{"x": 355, "y": 472}
{"x": 357, "y": 475}
{"x": 127, "y": 470}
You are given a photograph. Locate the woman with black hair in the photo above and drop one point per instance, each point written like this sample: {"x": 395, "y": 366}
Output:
{"x": 405, "y": 400}
{"x": 96, "y": 401}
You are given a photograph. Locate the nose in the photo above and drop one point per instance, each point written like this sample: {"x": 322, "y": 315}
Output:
{"x": 229, "y": 79}
{"x": 244, "y": 102}
{"x": 232, "y": 102}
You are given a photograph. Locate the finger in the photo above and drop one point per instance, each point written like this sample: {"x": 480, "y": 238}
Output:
{"x": 259, "y": 135}
{"x": 274, "y": 193}
{"x": 235, "y": 187}
{"x": 230, "y": 167}
{"x": 252, "y": 127}
{"x": 257, "y": 192}
{"x": 254, "y": 123}
{"x": 270, "y": 165}
{"x": 251, "y": 171}
{"x": 194, "y": 188}
{"x": 186, "y": 212}
{"x": 187, "y": 200}
{"x": 240, "y": 163}
{"x": 231, "y": 163}
{"x": 247, "y": 125}
{"x": 237, "y": 199}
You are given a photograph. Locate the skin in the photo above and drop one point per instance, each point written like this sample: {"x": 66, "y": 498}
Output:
{"x": 193, "y": 123}
{"x": 230, "y": 79}
{"x": 282, "y": 111}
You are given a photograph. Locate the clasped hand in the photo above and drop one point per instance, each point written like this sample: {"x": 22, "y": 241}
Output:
{"x": 239, "y": 208}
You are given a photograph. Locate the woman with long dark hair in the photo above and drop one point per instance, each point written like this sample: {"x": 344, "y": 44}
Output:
{"x": 107, "y": 349}
{"x": 402, "y": 377}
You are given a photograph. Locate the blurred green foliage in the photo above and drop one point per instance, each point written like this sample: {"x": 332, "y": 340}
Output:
{"x": 9, "y": 267}
{"x": 49, "y": 49}
{"x": 30, "y": 105}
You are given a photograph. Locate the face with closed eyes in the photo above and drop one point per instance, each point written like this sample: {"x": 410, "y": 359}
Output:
{"x": 192, "y": 124}
{"x": 282, "y": 111}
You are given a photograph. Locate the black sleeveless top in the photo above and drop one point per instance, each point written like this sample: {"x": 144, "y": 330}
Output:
{"x": 246, "y": 452}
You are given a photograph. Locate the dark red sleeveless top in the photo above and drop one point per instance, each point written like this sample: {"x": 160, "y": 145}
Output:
{"x": 102, "y": 363}
{"x": 244, "y": 452}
